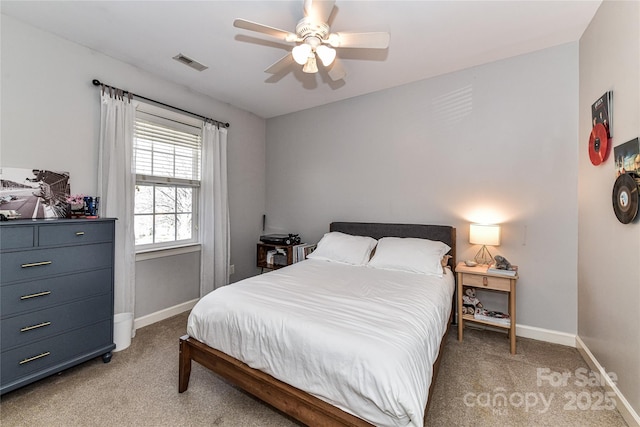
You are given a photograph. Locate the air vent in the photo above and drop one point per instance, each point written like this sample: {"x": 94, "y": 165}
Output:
{"x": 190, "y": 62}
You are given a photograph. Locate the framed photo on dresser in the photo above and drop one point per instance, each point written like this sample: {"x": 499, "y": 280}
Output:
{"x": 34, "y": 193}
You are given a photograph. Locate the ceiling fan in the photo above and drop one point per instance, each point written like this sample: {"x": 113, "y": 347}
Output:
{"x": 313, "y": 39}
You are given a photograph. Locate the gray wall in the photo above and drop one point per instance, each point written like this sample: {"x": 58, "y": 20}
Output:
{"x": 491, "y": 143}
{"x": 181, "y": 271}
{"x": 51, "y": 119}
{"x": 608, "y": 251}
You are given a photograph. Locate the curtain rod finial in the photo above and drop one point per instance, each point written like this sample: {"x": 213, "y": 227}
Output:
{"x": 96, "y": 82}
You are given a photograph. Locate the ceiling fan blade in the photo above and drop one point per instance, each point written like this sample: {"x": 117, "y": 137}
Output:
{"x": 360, "y": 40}
{"x": 337, "y": 71}
{"x": 281, "y": 64}
{"x": 265, "y": 29}
{"x": 319, "y": 10}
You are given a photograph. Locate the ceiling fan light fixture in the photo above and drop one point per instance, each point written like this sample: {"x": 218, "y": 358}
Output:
{"x": 314, "y": 40}
{"x": 310, "y": 66}
{"x": 301, "y": 53}
{"x": 334, "y": 39}
{"x": 327, "y": 54}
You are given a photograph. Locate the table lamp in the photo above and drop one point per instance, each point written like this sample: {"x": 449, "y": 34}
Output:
{"x": 481, "y": 234}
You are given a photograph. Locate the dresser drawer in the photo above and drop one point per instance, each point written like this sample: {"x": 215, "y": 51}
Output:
{"x": 36, "y": 295}
{"x": 16, "y": 237}
{"x": 48, "y": 262}
{"x": 21, "y": 362}
{"x": 488, "y": 282}
{"x": 26, "y": 328}
{"x": 75, "y": 233}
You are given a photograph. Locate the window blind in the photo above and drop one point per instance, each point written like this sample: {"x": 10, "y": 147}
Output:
{"x": 164, "y": 154}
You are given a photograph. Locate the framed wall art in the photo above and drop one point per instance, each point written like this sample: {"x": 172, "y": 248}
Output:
{"x": 600, "y": 137}
{"x": 34, "y": 193}
{"x": 627, "y": 157}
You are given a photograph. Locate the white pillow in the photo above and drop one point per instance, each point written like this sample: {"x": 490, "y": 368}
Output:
{"x": 345, "y": 248}
{"x": 410, "y": 254}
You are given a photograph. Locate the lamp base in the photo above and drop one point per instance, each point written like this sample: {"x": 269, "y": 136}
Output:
{"x": 484, "y": 256}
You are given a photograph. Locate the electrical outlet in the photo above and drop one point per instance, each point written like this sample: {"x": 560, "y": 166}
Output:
{"x": 232, "y": 269}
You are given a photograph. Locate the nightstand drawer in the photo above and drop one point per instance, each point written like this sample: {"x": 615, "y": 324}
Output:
{"x": 488, "y": 282}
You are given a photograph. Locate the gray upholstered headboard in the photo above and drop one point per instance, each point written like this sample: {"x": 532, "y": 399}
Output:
{"x": 442, "y": 233}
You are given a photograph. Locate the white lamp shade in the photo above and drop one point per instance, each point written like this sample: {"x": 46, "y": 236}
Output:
{"x": 481, "y": 234}
{"x": 301, "y": 53}
{"x": 326, "y": 54}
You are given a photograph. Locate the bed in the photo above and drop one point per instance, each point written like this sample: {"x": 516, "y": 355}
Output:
{"x": 314, "y": 343}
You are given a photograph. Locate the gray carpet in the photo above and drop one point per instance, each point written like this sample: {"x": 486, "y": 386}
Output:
{"x": 139, "y": 388}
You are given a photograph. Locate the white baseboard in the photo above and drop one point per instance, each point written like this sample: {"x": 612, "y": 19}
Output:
{"x": 540, "y": 334}
{"x": 163, "y": 314}
{"x": 622, "y": 404}
{"x": 548, "y": 335}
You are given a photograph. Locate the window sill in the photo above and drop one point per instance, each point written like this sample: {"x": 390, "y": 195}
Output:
{"x": 165, "y": 252}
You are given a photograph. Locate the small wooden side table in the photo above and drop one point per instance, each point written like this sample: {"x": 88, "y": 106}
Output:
{"x": 478, "y": 277}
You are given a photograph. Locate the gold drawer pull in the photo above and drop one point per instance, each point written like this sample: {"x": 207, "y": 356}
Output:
{"x": 30, "y": 328}
{"x": 36, "y": 264}
{"x": 31, "y": 359}
{"x": 485, "y": 281}
{"x": 79, "y": 233}
{"x": 39, "y": 294}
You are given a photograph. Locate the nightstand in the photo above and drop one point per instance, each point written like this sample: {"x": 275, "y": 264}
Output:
{"x": 477, "y": 277}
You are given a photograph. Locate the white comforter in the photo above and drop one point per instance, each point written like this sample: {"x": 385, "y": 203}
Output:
{"x": 362, "y": 339}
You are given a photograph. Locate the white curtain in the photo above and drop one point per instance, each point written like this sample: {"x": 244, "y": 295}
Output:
{"x": 214, "y": 210}
{"x": 116, "y": 182}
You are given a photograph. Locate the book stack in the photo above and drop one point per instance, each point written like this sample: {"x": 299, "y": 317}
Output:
{"x": 301, "y": 251}
{"x": 492, "y": 316}
{"x": 511, "y": 272}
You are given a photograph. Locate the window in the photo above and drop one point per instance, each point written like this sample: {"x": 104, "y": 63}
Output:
{"x": 167, "y": 148}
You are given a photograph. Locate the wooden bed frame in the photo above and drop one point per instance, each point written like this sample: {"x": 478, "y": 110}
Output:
{"x": 292, "y": 401}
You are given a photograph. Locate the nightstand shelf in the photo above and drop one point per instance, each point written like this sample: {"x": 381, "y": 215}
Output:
{"x": 470, "y": 318}
{"x": 263, "y": 248}
{"x": 478, "y": 277}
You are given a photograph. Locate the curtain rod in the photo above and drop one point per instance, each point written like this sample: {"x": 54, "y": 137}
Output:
{"x": 97, "y": 82}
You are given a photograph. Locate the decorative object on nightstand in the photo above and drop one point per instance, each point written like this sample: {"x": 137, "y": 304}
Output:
{"x": 470, "y": 303}
{"x": 503, "y": 267}
{"x": 485, "y": 235}
{"x": 273, "y": 256}
{"x": 479, "y": 278}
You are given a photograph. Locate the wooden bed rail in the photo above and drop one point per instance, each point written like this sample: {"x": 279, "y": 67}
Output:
{"x": 292, "y": 401}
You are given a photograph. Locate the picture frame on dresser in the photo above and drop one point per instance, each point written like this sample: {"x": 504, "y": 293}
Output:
{"x": 57, "y": 290}
{"x": 35, "y": 193}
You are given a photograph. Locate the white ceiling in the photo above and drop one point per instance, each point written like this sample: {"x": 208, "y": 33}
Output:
{"x": 428, "y": 38}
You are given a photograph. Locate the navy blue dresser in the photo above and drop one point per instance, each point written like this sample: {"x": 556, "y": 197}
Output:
{"x": 56, "y": 295}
